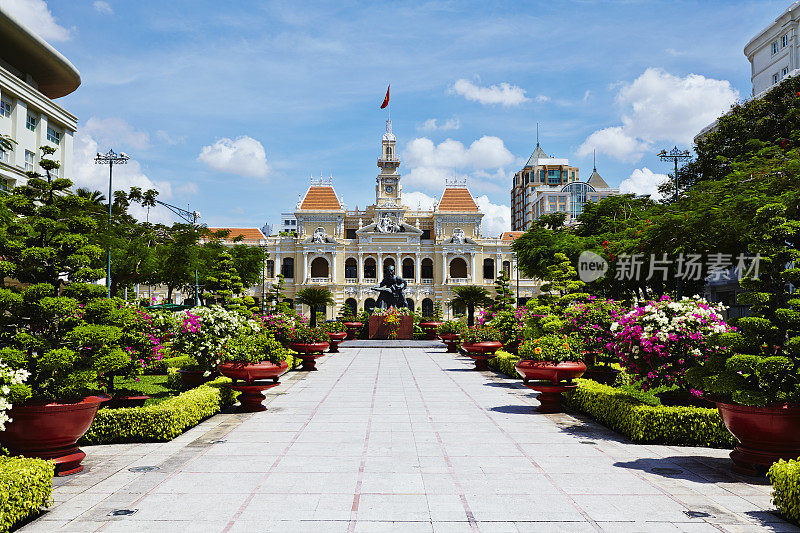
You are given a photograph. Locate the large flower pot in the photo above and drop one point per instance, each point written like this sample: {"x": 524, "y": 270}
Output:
{"x": 765, "y": 434}
{"x": 253, "y": 372}
{"x": 451, "y": 340}
{"x": 430, "y": 329}
{"x": 481, "y": 360}
{"x": 352, "y": 329}
{"x": 309, "y": 352}
{"x": 195, "y": 378}
{"x": 547, "y": 371}
{"x": 51, "y": 431}
{"x": 484, "y": 347}
{"x": 335, "y": 339}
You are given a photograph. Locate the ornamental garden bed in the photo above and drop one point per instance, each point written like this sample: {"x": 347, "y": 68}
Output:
{"x": 26, "y": 486}
{"x": 785, "y": 478}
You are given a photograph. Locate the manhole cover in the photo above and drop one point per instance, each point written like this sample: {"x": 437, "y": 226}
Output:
{"x": 588, "y": 442}
{"x": 697, "y": 514}
{"x": 122, "y": 512}
{"x": 667, "y": 471}
{"x": 217, "y": 441}
{"x": 143, "y": 468}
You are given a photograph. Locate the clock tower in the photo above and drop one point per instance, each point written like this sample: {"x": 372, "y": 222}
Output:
{"x": 388, "y": 188}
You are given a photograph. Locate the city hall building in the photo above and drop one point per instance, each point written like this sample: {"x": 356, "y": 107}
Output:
{"x": 346, "y": 250}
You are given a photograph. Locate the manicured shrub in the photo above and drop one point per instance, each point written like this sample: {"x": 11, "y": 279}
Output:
{"x": 785, "y": 479}
{"x": 480, "y": 334}
{"x": 161, "y": 367}
{"x": 504, "y": 363}
{"x": 252, "y": 349}
{"x": 552, "y": 348}
{"x": 450, "y": 327}
{"x": 25, "y": 487}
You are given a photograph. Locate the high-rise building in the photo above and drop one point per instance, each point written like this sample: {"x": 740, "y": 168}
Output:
{"x": 774, "y": 53}
{"x": 32, "y": 75}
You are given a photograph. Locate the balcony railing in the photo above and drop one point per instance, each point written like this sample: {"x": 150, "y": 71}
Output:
{"x": 351, "y": 280}
{"x": 371, "y": 281}
{"x": 320, "y": 280}
{"x": 457, "y": 281}
{"x": 427, "y": 282}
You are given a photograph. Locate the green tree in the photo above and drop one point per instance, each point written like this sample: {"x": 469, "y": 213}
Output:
{"x": 176, "y": 257}
{"x": 315, "y": 298}
{"x": 224, "y": 280}
{"x": 470, "y": 296}
{"x": 503, "y": 296}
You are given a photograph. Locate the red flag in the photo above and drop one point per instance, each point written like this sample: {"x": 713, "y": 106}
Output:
{"x": 386, "y": 100}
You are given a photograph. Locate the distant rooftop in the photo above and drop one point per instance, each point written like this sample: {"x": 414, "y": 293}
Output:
{"x": 320, "y": 198}
{"x": 247, "y": 234}
{"x": 457, "y": 199}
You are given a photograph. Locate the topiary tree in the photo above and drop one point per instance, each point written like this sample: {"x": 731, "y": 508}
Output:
{"x": 503, "y": 296}
{"x": 562, "y": 285}
{"x": 224, "y": 280}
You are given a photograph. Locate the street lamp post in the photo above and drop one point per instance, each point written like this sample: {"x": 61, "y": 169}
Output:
{"x": 675, "y": 155}
{"x": 110, "y": 158}
{"x": 190, "y": 217}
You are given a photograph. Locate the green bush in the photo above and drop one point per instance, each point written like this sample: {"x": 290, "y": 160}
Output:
{"x": 163, "y": 421}
{"x": 785, "y": 479}
{"x": 25, "y": 487}
{"x": 649, "y": 424}
{"x": 161, "y": 367}
{"x": 504, "y": 363}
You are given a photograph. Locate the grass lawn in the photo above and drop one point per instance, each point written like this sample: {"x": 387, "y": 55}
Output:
{"x": 153, "y": 386}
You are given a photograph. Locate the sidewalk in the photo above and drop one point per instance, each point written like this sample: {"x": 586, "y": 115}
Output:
{"x": 408, "y": 440}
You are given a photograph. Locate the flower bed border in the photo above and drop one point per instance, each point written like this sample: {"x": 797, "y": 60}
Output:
{"x": 26, "y": 485}
{"x": 641, "y": 423}
{"x": 785, "y": 479}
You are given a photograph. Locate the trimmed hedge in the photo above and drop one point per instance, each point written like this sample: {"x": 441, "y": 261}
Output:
{"x": 649, "y": 424}
{"x": 25, "y": 487}
{"x": 504, "y": 364}
{"x": 785, "y": 479}
{"x": 161, "y": 367}
{"x": 163, "y": 421}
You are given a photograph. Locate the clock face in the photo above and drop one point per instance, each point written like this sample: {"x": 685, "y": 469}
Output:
{"x": 389, "y": 188}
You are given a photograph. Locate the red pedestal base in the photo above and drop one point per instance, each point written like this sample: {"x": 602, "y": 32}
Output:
{"x": 352, "y": 329}
{"x": 309, "y": 361}
{"x": 430, "y": 329}
{"x": 481, "y": 360}
{"x": 550, "y": 396}
{"x": 335, "y": 340}
{"x": 252, "y": 395}
{"x": 450, "y": 340}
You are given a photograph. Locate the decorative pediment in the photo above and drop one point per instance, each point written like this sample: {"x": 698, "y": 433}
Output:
{"x": 400, "y": 229}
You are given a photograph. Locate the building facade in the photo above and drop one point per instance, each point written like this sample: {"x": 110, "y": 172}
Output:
{"x": 347, "y": 250}
{"x": 774, "y": 53}
{"x": 32, "y": 75}
{"x": 569, "y": 198}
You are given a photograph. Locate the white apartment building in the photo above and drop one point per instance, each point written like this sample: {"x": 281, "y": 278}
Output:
{"x": 32, "y": 75}
{"x": 774, "y": 53}
{"x": 288, "y": 223}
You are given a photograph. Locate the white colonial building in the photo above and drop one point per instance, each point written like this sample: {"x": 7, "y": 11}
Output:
{"x": 32, "y": 75}
{"x": 774, "y": 52}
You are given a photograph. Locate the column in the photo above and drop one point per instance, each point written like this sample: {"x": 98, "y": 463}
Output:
{"x": 472, "y": 263}
{"x": 278, "y": 265}
{"x": 305, "y": 267}
{"x": 360, "y": 274}
{"x": 379, "y": 267}
{"x": 417, "y": 267}
{"x": 444, "y": 268}
{"x": 333, "y": 266}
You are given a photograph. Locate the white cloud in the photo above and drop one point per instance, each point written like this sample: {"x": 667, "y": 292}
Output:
{"x": 244, "y": 156}
{"x": 431, "y": 163}
{"x": 37, "y": 16}
{"x": 542, "y": 98}
{"x": 103, "y": 7}
{"x": 171, "y": 140}
{"x": 116, "y": 133}
{"x": 504, "y": 93}
{"x": 643, "y": 181}
{"x": 660, "y": 107}
{"x": 496, "y": 217}
{"x": 418, "y": 200}
{"x": 433, "y": 124}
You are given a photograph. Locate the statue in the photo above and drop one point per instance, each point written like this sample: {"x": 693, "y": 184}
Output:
{"x": 387, "y": 225}
{"x": 319, "y": 236}
{"x": 458, "y": 236}
{"x": 391, "y": 289}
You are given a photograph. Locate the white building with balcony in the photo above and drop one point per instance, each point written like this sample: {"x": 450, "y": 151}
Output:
{"x": 774, "y": 53}
{"x": 32, "y": 75}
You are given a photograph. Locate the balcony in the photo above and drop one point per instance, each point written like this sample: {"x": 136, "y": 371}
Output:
{"x": 320, "y": 280}
{"x": 427, "y": 281}
{"x": 351, "y": 280}
{"x": 370, "y": 281}
{"x": 458, "y": 281}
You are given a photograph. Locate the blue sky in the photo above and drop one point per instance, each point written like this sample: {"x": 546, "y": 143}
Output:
{"x": 230, "y": 106}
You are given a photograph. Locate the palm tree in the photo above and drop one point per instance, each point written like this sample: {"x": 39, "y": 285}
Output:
{"x": 6, "y": 143}
{"x": 315, "y": 297}
{"x": 470, "y": 296}
{"x": 95, "y": 197}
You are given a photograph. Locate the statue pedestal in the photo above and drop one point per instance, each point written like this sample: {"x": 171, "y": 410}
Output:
{"x": 379, "y": 330}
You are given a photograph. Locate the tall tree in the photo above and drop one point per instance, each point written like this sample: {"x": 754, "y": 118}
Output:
{"x": 470, "y": 297}
{"x": 315, "y": 298}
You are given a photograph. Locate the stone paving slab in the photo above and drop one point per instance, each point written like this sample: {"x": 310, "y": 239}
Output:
{"x": 406, "y": 438}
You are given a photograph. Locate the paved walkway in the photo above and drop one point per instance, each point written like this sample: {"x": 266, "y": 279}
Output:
{"x": 407, "y": 440}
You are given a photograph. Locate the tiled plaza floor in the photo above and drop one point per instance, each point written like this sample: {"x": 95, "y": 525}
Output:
{"x": 409, "y": 440}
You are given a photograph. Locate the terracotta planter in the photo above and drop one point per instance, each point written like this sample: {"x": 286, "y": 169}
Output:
{"x": 121, "y": 402}
{"x": 451, "y": 340}
{"x": 485, "y": 347}
{"x": 309, "y": 352}
{"x": 765, "y": 434}
{"x": 547, "y": 371}
{"x": 352, "y": 329}
{"x": 253, "y": 372}
{"x": 51, "y": 431}
{"x": 195, "y": 378}
{"x": 430, "y": 329}
{"x": 251, "y": 395}
{"x": 481, "y": 360}
{"x": 335, "y": 340}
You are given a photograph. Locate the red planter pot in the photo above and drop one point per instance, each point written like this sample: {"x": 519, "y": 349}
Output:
{"x": 195, "y": 378}
{"x": 119, "y": 402}
{"x": 481, "y": 360}
{"x": 335, "y": 340}
{"x": 51, "y": 431}
{"x": 253, "y": 372}
{"x": 430, "y": 329}
{"x": 451, "y": 340}
{"x": 309, "y": 353}
{"x": 547, "y": 371}
{"x": 765, "y": 434}
{"x": 485, "y": 347}
{"x": 352, "y": 329}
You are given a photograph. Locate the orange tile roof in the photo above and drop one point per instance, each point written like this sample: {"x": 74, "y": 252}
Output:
{"x": 320, "y": 198}
{"x": 247, "y": 234}
{"x": 511, "y": 236}
{"x": 457, "y": 199}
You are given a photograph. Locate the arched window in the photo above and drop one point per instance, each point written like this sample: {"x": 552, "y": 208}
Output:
{"x": 287, "y": 269}
{"x": 388, "y": 151}
{"x": 351, "y": 268}
{"x": 369, "y": 305}
{"x": 426, "y": 269}
{"x": 351, "y": 305}
{"x": 459, "y": 309}
{"x": 408, "y": 269}
{"x": 488, "y": 268}
{"x": 369, "y": 268}
{"x": 410, "y": 303}
{"x": 270, "y": 268}
{"x": 458, "y": 268}
{"x": 319, "y": 268}
{"x": 507, "y": 268}
{"x": 427, "y": 307}
{"x": 389, "y": 261}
